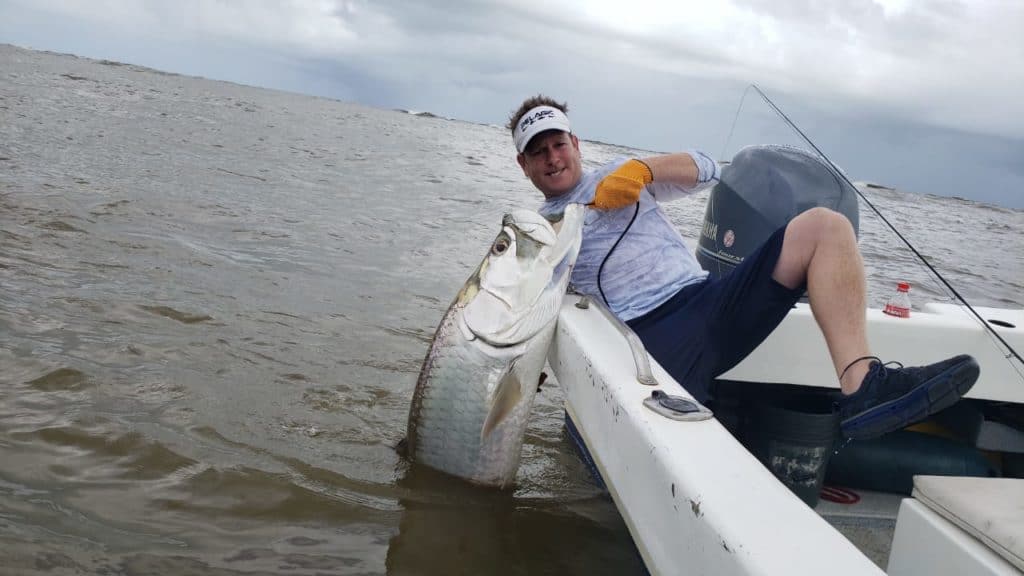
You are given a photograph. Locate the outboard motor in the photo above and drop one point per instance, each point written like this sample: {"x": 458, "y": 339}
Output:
{"x": 761, "y": 190}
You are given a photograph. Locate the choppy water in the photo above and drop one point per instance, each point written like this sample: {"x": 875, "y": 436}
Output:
{"x": 214, "y": 302}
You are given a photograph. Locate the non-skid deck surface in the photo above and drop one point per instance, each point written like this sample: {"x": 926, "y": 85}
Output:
{"x": 869, "y": 523}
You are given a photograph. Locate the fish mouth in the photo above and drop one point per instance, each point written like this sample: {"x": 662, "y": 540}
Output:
{"x": 496, "y": 341}
{"x": 518, "y": 298}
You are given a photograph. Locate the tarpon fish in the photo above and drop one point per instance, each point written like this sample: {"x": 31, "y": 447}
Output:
{"x": 473, "y": 396}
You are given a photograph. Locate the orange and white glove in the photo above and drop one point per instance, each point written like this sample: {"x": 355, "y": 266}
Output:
{"x": 622, "y": 187}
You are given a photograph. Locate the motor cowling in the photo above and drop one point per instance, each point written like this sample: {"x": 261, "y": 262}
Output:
{"x": 762, "y": 189}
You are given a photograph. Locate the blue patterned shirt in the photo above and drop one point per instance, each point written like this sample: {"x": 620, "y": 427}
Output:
{"x": 652, "y": 262}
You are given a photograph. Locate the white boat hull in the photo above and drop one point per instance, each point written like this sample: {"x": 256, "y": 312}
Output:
{"x": 695, "y": 500}
{"x": 795, "y": 353}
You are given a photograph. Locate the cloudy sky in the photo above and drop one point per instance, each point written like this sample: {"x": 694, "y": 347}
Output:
{"x": 927, "y": 96}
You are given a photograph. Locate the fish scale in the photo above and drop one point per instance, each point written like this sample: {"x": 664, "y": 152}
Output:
{"x": 452, "y": 414}
{"x": 473, "y": 396}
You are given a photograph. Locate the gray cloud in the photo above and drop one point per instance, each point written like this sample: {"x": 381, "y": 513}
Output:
{"x": 876, "y": 82}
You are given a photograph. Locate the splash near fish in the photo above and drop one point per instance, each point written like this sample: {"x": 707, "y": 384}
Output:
{"x": 474, "y": 393}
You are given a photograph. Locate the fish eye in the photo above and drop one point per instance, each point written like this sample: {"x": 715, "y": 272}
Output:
{"x": 500, "y": 246}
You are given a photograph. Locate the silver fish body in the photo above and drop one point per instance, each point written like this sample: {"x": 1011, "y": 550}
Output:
{"x": 474, "y": 393}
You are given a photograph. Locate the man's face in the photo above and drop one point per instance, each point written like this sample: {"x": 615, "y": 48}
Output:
{"x": 552, "y": 162}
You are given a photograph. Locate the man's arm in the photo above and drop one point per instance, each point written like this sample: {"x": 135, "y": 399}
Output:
{"x": 679, "y": 169}
{"x": 681, "y": 174}
{"x": 666, "y": 177}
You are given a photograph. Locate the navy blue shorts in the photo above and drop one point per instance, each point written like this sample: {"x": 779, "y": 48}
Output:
{"x": 709, "y": 327}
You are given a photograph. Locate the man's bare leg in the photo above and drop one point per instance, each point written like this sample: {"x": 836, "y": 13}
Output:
{"x": 820, "y": 248}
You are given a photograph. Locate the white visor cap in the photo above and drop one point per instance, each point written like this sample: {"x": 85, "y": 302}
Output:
{"x": 536, "y": 121}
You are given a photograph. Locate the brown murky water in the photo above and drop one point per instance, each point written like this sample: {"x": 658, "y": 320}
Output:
{"x": 214, "y": 301}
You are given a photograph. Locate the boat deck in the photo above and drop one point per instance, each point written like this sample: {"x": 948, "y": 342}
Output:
{"x": 869, "y": 523}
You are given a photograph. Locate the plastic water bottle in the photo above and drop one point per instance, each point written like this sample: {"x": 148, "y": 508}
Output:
{"x": 899, "y": 303}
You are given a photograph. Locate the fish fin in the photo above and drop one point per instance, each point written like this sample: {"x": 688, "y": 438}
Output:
{"x": 506, "y": 397}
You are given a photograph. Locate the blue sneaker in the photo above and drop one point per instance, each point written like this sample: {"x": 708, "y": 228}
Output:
{"x": 894, "y": 397}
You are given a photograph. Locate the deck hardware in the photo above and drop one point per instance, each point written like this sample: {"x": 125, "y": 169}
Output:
{"x": 677, "y": 407}
{"x": 644, "y": 374}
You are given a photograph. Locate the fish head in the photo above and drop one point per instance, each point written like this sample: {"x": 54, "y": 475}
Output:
{"x": 518, "y": 288}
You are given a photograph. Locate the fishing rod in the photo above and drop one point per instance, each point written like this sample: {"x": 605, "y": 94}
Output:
{"x": 842, "y": 175}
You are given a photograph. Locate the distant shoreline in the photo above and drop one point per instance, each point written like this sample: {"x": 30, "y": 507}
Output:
{"x": 9, "y": 48}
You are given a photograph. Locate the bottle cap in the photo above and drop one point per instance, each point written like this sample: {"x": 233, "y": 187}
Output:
{"x": 903, "y": 286}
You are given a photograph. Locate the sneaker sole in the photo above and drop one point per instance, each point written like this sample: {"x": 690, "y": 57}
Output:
{"x": 940, "y": 392}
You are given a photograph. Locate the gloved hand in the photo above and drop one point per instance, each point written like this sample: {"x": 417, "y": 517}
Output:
{"x": 622, "y": 187}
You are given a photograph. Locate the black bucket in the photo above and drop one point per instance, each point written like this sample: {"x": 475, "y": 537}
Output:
{"x": 794, "y": 438}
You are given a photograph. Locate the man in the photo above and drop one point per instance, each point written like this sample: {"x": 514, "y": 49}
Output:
{"x": 633, "y": 259}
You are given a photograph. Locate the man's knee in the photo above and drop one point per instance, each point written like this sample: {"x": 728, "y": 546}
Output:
{"x": 821, "y": 222}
